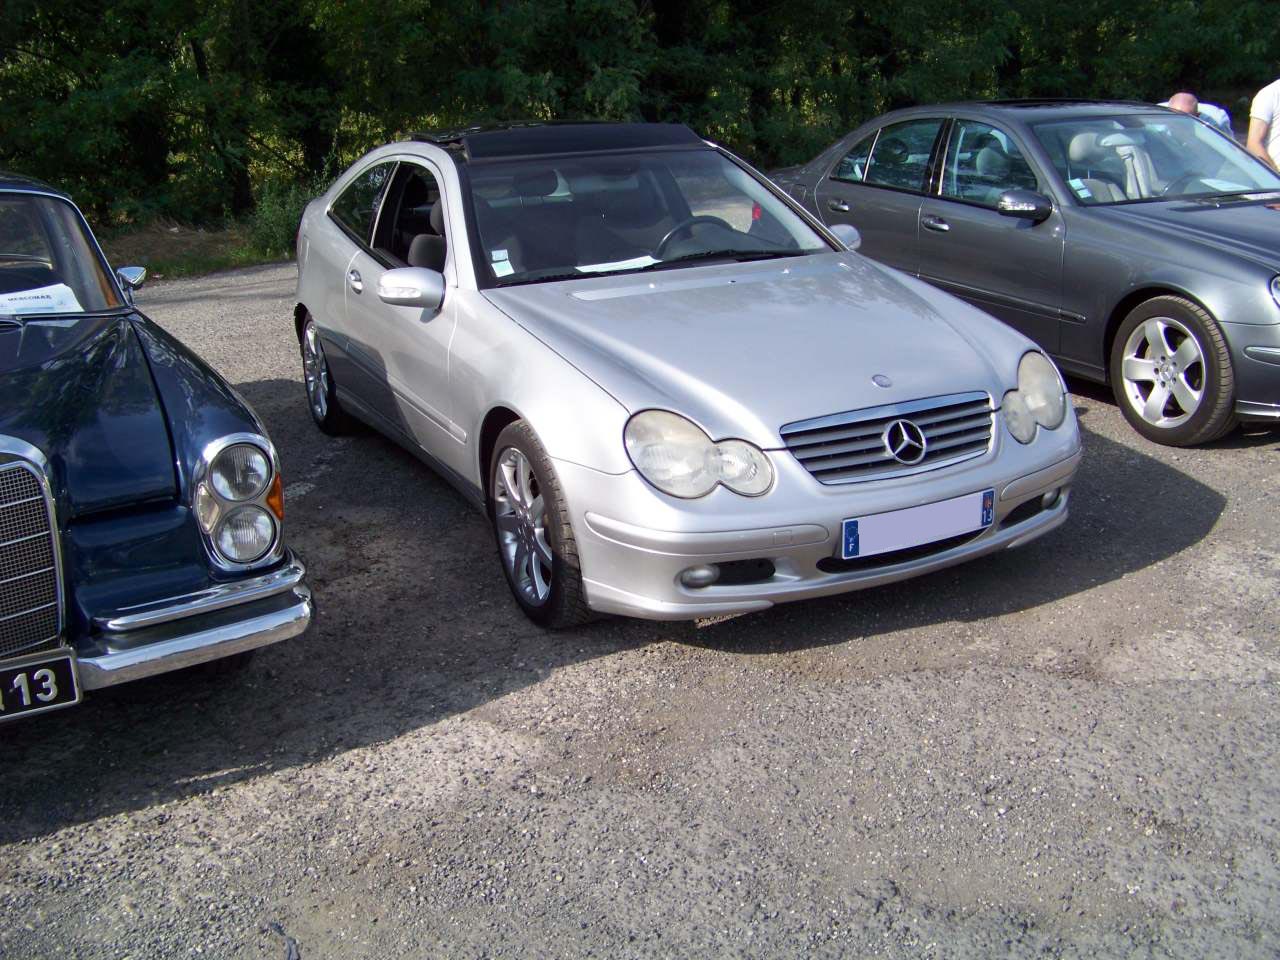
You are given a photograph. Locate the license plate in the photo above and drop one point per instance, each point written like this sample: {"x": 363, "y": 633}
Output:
{"x": 37, "y": 685}
{"x": 917, "y": 526}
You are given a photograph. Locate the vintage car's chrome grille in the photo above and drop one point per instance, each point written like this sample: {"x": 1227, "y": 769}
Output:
{"x": 29, "y": 576}
{"x": 851, "y": 447}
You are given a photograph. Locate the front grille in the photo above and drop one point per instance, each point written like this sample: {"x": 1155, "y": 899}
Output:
{"x": 850, "y": 447}
{"x": 29, "y": 583}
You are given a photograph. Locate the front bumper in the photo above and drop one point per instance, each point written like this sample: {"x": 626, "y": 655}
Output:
{"x": 1256, "y": 364}
{"x": 634, "y": 569}
{"x": 209, "y": 625}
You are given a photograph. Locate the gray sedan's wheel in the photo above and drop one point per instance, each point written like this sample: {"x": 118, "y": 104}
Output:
{"x": 1171, "y": 373}
{"x": 322, "y": 398}
{"x": 531, "y": 525}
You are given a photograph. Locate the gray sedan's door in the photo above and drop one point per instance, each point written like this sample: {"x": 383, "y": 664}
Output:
{"x": 878, "y": 187}
{"x": 1008, "y": 267}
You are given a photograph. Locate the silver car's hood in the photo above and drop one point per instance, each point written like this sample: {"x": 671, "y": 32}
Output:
{"x": 743, "y": 349}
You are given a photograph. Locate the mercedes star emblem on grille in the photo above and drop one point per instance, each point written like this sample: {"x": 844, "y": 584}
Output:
{"x": 905, "y": 442}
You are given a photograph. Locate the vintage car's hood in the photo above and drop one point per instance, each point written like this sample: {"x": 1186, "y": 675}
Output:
{"x": 1250, "y": 228}
{"x": 745, "y": 348}
{"x": 81, "y": 391}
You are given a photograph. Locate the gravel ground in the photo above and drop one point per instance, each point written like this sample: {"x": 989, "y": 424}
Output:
{"x": 1065, "y": 751}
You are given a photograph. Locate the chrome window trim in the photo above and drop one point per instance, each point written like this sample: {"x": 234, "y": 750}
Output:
{"x": 217, "y": 597}
{"x": 207, "y": 456}
{"x": 20, "y": 454}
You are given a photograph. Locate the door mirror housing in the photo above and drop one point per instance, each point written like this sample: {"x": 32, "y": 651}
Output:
{"x": 131, "y": 278}
{"x": 412, "y": 287}
{"x": 847, "y": 234}
{"x": 1025, "y": 205}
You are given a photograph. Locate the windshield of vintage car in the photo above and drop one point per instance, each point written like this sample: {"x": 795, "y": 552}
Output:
{"x": 1145, "y": 157}
{"x": 48, "y": 263}
{"x": 587, "y": 215}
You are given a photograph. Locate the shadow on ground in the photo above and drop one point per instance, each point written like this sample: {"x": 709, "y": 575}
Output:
{"x": 415, "y": 625}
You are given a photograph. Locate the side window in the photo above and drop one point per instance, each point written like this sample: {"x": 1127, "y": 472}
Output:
{"x": 357, "y": 206}
{"x": 853, "y": 165}
{"x": 982, "y": 163}
{"x": 901, "y": 155}
{"x": 411, "y": 230}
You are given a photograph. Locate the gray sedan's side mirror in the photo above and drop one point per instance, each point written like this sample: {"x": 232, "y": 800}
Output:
{"x": 1025, "y": 205}
{"x": 412, "y": 287}
{"x": 847, "y": 234}
{"x": 131, "y": 278}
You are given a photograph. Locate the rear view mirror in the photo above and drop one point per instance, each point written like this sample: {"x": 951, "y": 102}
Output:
{"x": 131, "y": 278}
{"x": 847, "y": 234}
{"x": 412, "y": 287}
{"x": 1025, "y": 205}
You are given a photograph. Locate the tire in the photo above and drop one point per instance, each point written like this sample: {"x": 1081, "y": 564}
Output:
{"x": 1171, "y": 373}
{"x": 531, "y": 527}
{"x": 322, "y": 394}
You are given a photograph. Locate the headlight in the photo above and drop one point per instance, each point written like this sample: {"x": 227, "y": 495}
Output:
{"x": 675, "y": 456}
{"x": 245, "y": 535}
{"x": 240, "y": 472}
{"x": 239, "y": 500}
{"x": 1039, "y": 399}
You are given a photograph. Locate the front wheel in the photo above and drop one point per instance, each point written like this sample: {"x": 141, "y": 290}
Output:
{"x": 1171, "y": 373}
{"x": 531, "y": 526}
{"x": 322, "y": 397}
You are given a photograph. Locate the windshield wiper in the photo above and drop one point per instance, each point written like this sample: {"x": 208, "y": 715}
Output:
{"x": 742, "y": 256}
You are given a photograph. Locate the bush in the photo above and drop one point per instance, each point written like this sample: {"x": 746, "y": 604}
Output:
{"x": 273, "y": 226}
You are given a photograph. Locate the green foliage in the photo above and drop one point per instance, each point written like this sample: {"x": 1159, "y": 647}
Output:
{"x": 200, "y": 111}
{"x": 273, "y": 225}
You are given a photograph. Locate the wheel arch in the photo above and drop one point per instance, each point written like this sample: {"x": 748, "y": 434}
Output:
{"x": 495, "y": 421}
{"x": 1128, "y": 303}
{"x": 299, "y": 318}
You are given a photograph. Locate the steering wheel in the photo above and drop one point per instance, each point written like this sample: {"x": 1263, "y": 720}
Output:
{"x": 682, "y": 226}
{"x": 1180, "y": 183}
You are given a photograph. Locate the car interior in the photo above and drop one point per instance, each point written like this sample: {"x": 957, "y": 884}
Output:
{"x": 43, "y": 247}
{"x": 983, "y": 163}
{"x": 411, "y": 231}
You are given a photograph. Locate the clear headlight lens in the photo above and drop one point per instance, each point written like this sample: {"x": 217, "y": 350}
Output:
{"x": 207, "y": 508}
{"x": 675, "y": 456}
{"x": 240, "y": 472}
{"x": 245, "y": 535}
{"x": 1039, "y": 399}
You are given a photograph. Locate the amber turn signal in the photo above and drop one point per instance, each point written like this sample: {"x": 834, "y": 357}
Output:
{"x": 275, "y": 498}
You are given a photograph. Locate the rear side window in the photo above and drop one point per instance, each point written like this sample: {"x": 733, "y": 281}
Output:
{"x": 901, "y": 155}
{"x": 852, "y": 167}
{"x": 357, "y": 206}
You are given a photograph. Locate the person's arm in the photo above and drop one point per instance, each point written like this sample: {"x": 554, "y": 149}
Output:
{"x": 1257, "y": 143}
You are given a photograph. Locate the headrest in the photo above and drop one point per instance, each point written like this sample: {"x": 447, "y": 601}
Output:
{"x": 892, "y": 150}
{"x": 1083, "y": 147}
{"x": 993, "y": 162}
{"x": 437, "y": 218}
{"x": 538, "y": 183}
{"x": 427, "y": 250}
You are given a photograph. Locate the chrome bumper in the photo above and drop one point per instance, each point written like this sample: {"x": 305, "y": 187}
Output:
{"x": 185, "y": 631}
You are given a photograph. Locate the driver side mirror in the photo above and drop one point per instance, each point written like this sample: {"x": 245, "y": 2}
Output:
{"x": 131, "y": 278}
{"x": 1024, "y": 205}
{"x": 412, "y": 287}
{"x": 847, "y": 234}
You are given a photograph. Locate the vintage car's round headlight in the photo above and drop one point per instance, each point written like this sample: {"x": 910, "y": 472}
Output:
{"x": 1039, "y": 399}
{"x": 240, "y": 472}
{"x": 678, "y": 458}
{"x": 245, "y": 534}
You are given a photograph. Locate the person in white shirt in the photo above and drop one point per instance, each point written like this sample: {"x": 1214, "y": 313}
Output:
{"x": 1210, "y": 113}
{"x": 1264, "y": 126}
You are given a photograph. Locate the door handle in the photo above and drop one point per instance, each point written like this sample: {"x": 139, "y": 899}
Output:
{"x": 936, "y": 224}
{"x": 353, "y": 279}
{"x": 839, "y": 206}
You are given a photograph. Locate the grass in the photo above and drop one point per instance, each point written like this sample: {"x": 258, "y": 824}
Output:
{"x": 169, "y": 249}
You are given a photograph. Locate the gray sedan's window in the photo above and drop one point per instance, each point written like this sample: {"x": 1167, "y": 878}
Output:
{"x": 591, "y": 215}
{"x": 853, "y": 165}
{"x": 901, "y": 155}
{"x": 357, "y": 206}
{"x": 1139, "y": 157}
{"x": 48, "y": 263}
{"x": 982, "y": 163}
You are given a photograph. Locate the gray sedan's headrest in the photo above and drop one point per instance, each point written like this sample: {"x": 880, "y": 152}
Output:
{"x": 1083, "y": 147}
{"x": 993, "y": 162}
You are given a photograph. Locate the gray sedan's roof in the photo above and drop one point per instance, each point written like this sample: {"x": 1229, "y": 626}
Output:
{"x": 1033, "y": 111}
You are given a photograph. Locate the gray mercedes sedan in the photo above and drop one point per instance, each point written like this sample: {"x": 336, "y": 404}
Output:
{"x": 673, "y": 392}
{"x": 1138, "y": 246}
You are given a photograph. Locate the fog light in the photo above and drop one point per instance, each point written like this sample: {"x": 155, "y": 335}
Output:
{"x": 1050, "y": 499}
{"x": 703, "y": 575}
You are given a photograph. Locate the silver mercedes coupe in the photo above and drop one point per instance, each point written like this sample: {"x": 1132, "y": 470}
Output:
{"x": 674, "y": 393}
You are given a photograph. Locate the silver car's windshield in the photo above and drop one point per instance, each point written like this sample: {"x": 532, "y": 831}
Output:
{"x": 48, "y": 264}
{"x": 587, "y": 215}
{"x": 1157, "y": 156}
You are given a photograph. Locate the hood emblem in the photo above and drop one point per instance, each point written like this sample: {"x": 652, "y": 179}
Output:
{"x": 880, "y": 380}
{"x": 905, "y": 442}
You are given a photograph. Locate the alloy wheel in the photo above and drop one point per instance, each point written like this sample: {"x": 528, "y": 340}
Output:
{"x": 519, "y": 513}
{"x": 315, "y": 371}
{"x": 1164, "y": 372}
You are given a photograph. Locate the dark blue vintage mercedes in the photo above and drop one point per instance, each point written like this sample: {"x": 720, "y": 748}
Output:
{"x": 140, "y": 498}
